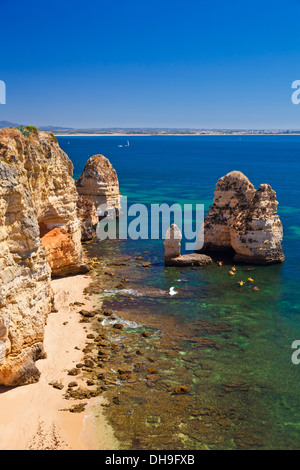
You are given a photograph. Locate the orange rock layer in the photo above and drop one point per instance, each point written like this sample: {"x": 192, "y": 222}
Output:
{"x": 61, "y": 254}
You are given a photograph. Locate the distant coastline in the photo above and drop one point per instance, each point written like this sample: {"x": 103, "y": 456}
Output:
{"x": 145, "y": 134}
{"x": 60, "y": 131}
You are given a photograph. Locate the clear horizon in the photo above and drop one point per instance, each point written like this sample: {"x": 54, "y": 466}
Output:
{"x": 150, "y": 128}
{"x": 134, "y": 65}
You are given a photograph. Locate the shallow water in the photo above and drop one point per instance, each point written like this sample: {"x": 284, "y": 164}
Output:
{"x": 230, "y": 345}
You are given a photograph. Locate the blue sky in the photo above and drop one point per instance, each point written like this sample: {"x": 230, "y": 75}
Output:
{"x": 201, "y": 64}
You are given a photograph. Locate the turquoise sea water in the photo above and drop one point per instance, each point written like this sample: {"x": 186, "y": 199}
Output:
{"x": 243, "y": 369}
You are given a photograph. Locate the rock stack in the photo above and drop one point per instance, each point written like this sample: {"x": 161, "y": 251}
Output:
{"x": 244, "y": 221}
{"x": 257, "y": 233}
{"x": 99, "y": 184}
{"x": 173, "y": 255}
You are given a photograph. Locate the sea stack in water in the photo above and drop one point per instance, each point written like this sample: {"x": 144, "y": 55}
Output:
{"x": 244, "y": 221}
{"x": 99, "y": 184}
{"x": 173, "y": 257}
{"x": 39, "y": 230}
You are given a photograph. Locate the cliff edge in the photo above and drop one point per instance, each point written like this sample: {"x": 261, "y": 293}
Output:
{"x": 40, "y": 237}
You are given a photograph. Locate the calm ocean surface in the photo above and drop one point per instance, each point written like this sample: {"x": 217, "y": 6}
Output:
{"x": 244, "y": 387}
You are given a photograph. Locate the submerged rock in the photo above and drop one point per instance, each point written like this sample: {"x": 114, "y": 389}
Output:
{"x": 244, "y": 221}
{"x": 181, "y": 389}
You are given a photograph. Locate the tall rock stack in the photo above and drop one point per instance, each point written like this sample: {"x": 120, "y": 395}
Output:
{"x": 232, "y": 194}
{"x": 39, "y": 230}
{"x": 257, "y": 233}
{"x": 99, "y": 184}
{"x": 244, "y": 221}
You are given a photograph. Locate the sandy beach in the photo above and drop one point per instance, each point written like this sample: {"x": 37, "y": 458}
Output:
{"x": 31, "y": 416}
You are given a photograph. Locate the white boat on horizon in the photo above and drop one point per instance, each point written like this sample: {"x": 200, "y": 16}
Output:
{"x": 127, "y": 145}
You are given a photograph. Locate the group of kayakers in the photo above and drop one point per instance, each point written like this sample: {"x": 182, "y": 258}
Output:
{"x": 232, "y": 272}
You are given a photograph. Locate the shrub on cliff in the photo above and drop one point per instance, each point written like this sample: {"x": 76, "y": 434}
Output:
{"x": 28, "y": 130}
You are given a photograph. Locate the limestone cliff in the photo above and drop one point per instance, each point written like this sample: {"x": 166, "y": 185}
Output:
{"x": 37, "y": 195}
{"x": 99, "y": 184}
{"x": 244, "y": 221}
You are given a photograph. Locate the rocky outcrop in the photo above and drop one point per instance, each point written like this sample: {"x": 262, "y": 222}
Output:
{"x": 257, "y": 233}
{"x": 191, "y": 259}
{"x": 37, "y": 195}
{"x": 89, "y": 219}
{"x": 244, "y": 221}
{"x": 172, "y": 242}
{"x": 232, "y": 195}
{"x": 61, "y": 254}
{"x": 99, "y": 184}
{"x": 173, "y": 255}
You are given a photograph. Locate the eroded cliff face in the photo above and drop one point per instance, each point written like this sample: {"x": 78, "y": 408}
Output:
{"x": 245, "y": 221}
{"x": 37, "y": 195}
{"x": 88, "y": 217}
{"x": 99, "y": 184}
